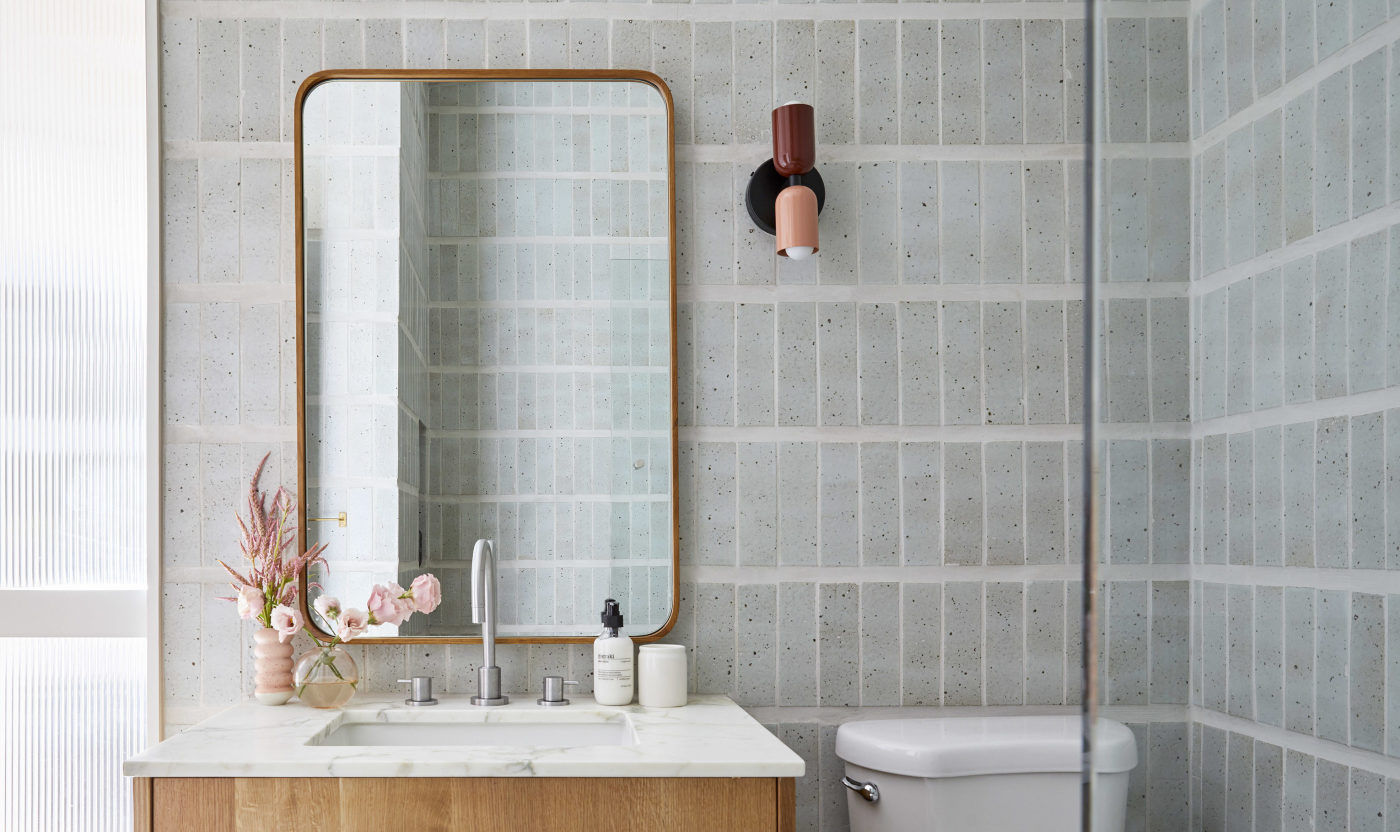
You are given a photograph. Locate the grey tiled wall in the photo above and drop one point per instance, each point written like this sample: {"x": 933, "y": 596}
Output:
{"x": 1296, "y": 451}
{"x": 877, "y": 446}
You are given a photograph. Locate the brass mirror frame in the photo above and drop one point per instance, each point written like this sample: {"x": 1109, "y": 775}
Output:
{"x": 318, "y": 78}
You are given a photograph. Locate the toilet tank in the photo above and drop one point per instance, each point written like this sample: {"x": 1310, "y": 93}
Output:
{"x": 983, "y": 774}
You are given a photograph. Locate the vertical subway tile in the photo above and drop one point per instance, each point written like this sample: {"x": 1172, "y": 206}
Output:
{"x": 757, "y": 658}
{"x": 879, "y": 504}
{"x": 1044, "y": 61}
{"x": 838, "y": 605}
{"x": 714, "y": 640}
{"x": 878, "y": 248}
{"x": 1333, "y": 152}
{"x": 798, "y": 504}
{"x": 1367, "y": 802}
{"x": 918, "y": 221}
{"x": 1268, "y": 655}
{"x": 1003, "y": 363}
{"x": 757, "y": 521}
{"x": 1367, "y": 458}
{"x": 1330, "y": 804}
{"x": 1330, "y": 326}
{"x": 880, "y": 649}
{"x": 877, "y": 50}
{"x": 1367, "y": 676}
{"x": 1006, "y": 639}
{"x": 1045, "y": 642}
{"x": 1004, "y": 109}
{"x": 838, "y": 464}
{"x": 961, "y": 84}
{"x": 836, "y": 354}
{"x": 797, "y": 644}
{"x": 1128, "y": 487}
{"x": 1002, "y": 223}
{"x": 1129, "y": 626}
{"x": 1332, "y": 664}
{"x": 878, "y": 374}
{"x": 1298, "y": 500}
{"x": 1366, "y": 313}
{"x": 1239, "y": 799}
{"x": 921, "y": 610}
{"x": 1045, "y": 362}
{"x": 1241, "y": 498}
{"x": 715, "y": 505}
{"x": 921, "y": 520}
{"x": 754, "y": 383}
{"x": 961, "y": 224}
{"x": 919, "y": 116}
{"x": 1333, "y": 514}
{"x": 797, "y": 364}
{"x": 1298, "y": 635}
{"x": 753, "y": 99}
{"x": 918, "y": 372}
{"x": 714, "y": 374}
{"x": 1298, "y": 158}
{"x": 714, "y": 81}
{"x": 1167, "y": 79}
{"x": 1129, "y": 398}
{"x": 835, "y": 93}
{"x": 1240, "y": 635}
{"x": 961, "y": 325}
{"x": 1126, "y": 68}
{"x": 1045, "y": 502}
{"x": 962, "y": 503}
{"x": 1298, "y": 791}
{"x": 962, "y": 616}
{"x": 1170, "y": 631}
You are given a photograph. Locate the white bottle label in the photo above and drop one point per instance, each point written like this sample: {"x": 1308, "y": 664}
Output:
{"x": 613, "y": 671}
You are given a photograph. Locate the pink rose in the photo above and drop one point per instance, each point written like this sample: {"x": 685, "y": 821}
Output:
{"x": 286, "y": 621}
{"x": 426, "y": 592}
{"x": 327, "y": 606}
{"x": 387, "y": 604}
{"x": 250, "y": 601}
{"x": 350, "y": 624}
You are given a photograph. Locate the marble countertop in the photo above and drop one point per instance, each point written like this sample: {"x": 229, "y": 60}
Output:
{"x": 709, "y": 737}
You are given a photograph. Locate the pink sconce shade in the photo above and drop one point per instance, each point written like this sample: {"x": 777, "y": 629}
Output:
{"x": 796, "y": 219}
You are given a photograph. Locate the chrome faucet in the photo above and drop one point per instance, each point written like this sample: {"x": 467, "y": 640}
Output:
{"x": 488, "y": 676}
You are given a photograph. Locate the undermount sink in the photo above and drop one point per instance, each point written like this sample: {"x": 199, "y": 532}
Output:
{"x": 445, "y": 731}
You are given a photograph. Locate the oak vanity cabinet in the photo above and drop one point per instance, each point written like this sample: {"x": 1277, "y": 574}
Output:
{"x": 465, "y": 804}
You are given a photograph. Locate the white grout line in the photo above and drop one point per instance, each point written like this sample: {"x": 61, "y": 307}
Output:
{"x": 1322, "y": 749}
{"x": 1355, "y": 404}
{"x": 228, "y": 434}
{"x": 1019, "y": 573}
{"x": 1346, "y": 232}
{"x": 227, "y": 293}
{"x": 1374, "y": 581}
{"x": 1378, "y": 38}
{"x": 440, "y": 9}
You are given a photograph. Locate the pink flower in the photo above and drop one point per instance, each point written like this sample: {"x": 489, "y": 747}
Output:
{"x": 426, "y": 592}
{"x": 250, "y": 601}
{"x": 387, "y": 604}
{"x": 327, "y": 606}
{"x": 350, "y": 624}
{"x": 286, "y": 621}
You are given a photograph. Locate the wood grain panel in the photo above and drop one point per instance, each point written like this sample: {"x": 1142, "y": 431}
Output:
{"x": 141, "y": 804}
{"x": 203, "y": 803}
{"x": 485, "y": 804}
{"x": 787, "y": 804}
{"x": 307, "y": 804}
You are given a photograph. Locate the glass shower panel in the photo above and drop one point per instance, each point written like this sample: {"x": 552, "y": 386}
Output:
{"x": 1248, "y": 315}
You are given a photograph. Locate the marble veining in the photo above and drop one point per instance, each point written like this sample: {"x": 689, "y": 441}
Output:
{"x": 709, "y": 737}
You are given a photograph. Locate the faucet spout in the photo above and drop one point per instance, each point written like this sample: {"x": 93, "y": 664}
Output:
{"x": 488, "y": 686}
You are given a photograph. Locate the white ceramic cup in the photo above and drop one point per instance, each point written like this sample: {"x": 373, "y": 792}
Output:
{"x": 661, "y": 675}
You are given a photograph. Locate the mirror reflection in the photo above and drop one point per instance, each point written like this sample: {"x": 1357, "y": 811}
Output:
{"x": 488, "y": 346}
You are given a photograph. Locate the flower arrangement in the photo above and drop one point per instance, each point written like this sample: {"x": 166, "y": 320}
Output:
{"x": 267, "y": 592}
{"x": 388, "y": 604}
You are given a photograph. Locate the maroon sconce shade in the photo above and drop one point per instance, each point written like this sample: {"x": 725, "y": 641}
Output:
{"x": 785, "y": 195}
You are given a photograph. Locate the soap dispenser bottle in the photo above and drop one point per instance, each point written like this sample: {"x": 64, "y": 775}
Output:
{"x": 613, "y": 668}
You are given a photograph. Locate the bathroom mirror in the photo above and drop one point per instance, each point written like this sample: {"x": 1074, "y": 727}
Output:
{"x": 486, "y": 342}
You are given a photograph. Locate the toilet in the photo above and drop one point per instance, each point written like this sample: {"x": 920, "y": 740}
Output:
{"x": 981, "y": 774}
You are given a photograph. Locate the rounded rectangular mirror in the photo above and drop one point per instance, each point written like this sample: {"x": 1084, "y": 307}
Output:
{"x": 486, "y": 325}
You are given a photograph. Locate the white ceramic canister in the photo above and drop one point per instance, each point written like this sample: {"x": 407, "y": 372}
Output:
{"x": 661, "y": 675}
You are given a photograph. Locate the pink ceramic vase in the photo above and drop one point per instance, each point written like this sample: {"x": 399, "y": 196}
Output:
{"x": 273, "y": 666}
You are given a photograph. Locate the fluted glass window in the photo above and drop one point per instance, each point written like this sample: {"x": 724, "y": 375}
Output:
{"x": 75, "y": 406}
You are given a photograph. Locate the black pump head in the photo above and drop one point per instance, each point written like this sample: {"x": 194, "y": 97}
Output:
{"x": 612, "y": 614}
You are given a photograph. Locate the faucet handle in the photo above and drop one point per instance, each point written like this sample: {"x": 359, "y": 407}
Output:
{"x": 554, "y": 691}
{"x": 422, "y": 692}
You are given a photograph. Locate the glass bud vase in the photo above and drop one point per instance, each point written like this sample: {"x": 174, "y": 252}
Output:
{"x": 325, "y": 677}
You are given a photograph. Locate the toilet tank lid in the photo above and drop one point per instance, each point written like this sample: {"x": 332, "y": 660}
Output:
{"x": 961, "y": 747}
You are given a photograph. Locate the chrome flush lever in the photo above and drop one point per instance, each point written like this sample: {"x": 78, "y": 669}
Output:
{"x": 869, "y": 791}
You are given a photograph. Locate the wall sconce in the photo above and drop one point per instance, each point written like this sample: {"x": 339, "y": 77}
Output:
{"x": 785, "y": 194}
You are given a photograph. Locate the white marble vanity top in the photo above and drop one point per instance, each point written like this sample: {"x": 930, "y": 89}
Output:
{"x": 708, "y": 737}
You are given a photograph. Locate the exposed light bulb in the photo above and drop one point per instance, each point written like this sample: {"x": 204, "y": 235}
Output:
{"x": 799, "y": 252}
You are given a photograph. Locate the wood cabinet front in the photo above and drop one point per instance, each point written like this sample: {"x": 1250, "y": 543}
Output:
{"x": 466, "y": 804}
